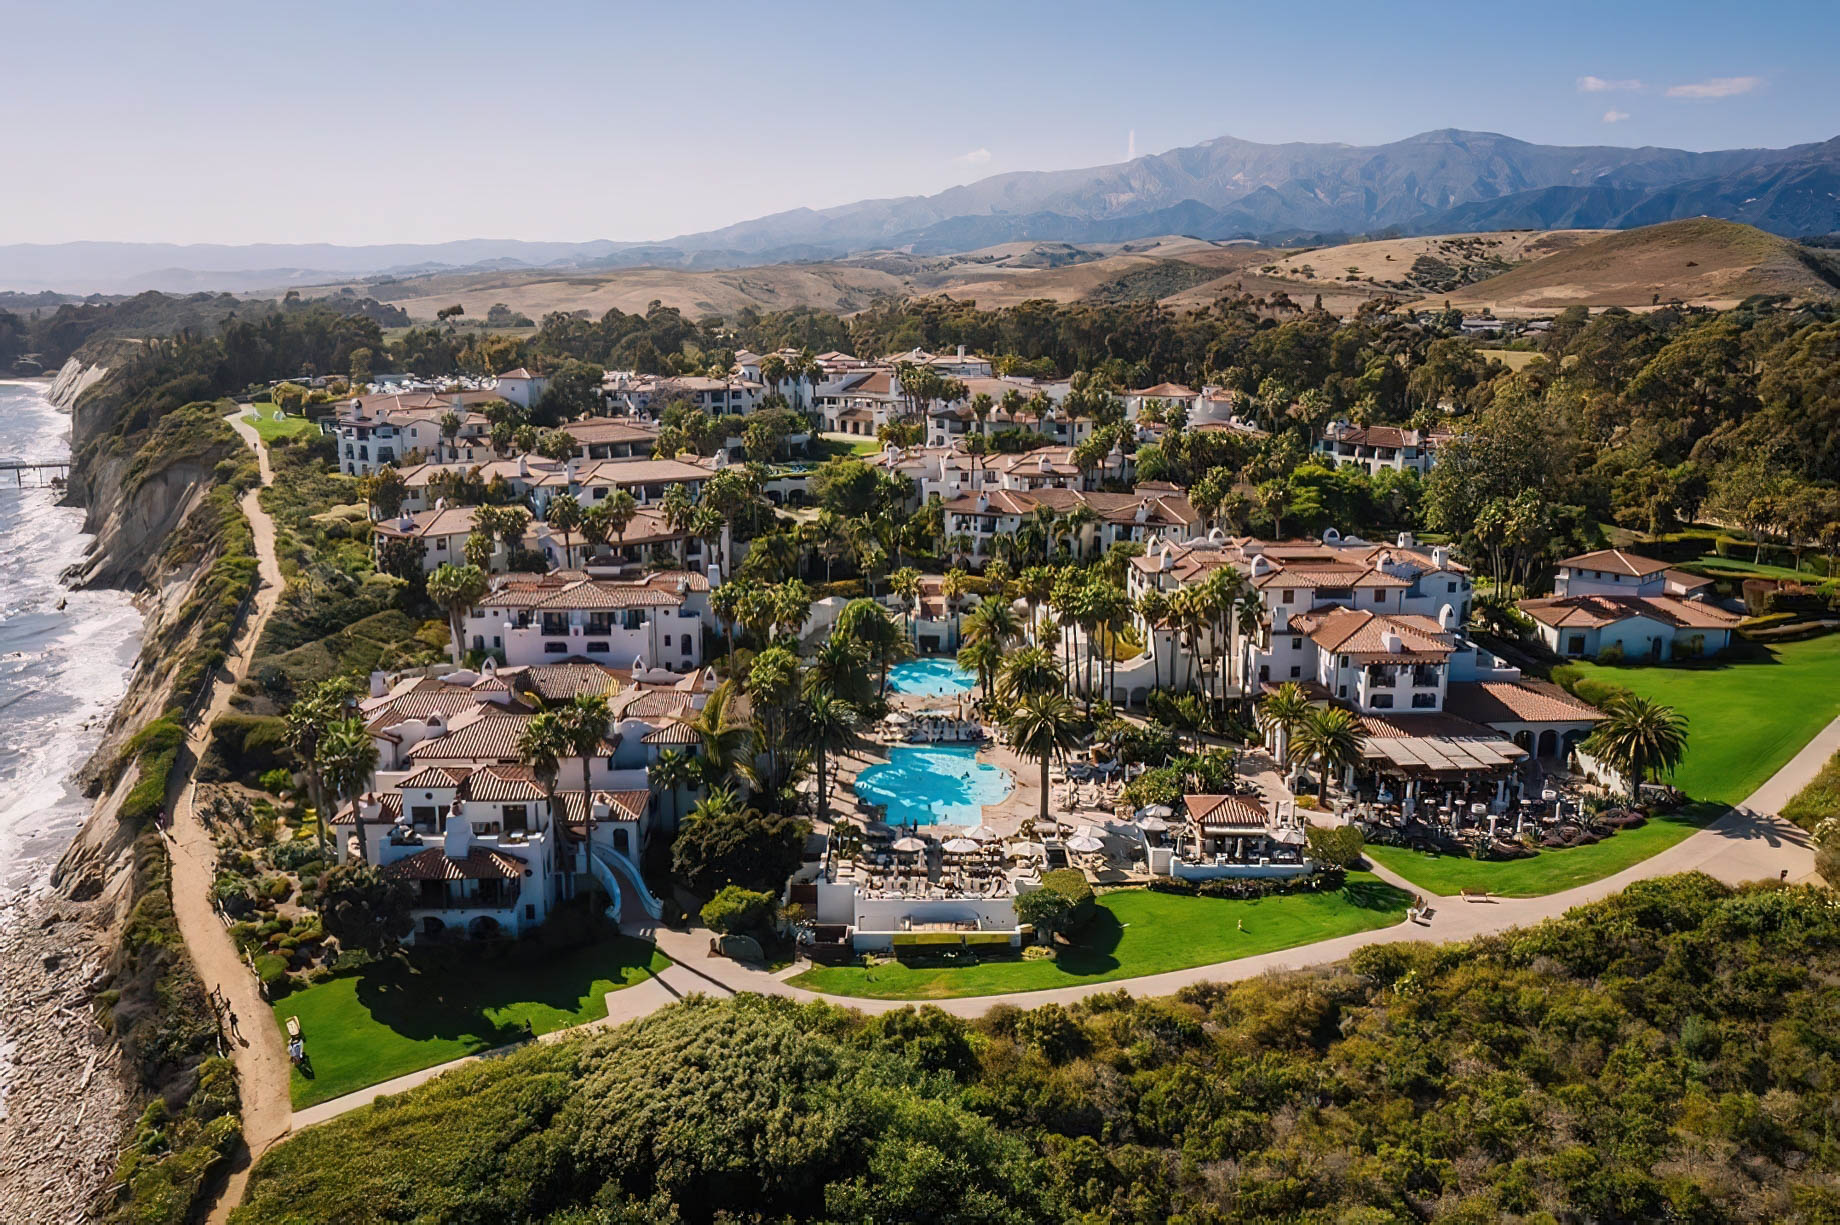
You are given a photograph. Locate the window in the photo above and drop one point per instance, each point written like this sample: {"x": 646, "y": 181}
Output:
{"x": 423, "y": 814}
{"x": 497, "y": 643}
{"x": 1296, "y": 644}
{"x": 1453, "y": 584}
{"x": 1424, "y": 701}
{"x": 598, "y": 648}
{"x": 667, "y": 642}
{"x": 517, "y": 818}
{"x": 1290, "y": 597}
{"x": 1575, "y": 645}
{"x": 530, "y": 911}
{"x": 1264, "y": 672}
{"x": 1296, "y": 671}
{"x": 558, "y": 648}
{"x": 1342, "y": 692}
{"x": 1379, "y": 596}
{"x": 1381, "y": 701}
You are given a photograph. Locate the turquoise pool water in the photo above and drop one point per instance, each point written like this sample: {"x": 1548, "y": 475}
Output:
{"x": 937, "y": 677}
{"x": 935, "y": 784}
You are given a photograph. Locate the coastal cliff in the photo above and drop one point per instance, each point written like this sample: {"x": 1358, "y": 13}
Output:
{"x": 101, "y": 985}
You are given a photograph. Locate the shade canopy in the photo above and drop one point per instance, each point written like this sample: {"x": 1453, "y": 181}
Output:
{"x": 1154, "y": 825}
{"x": 910, "y": 843}
{"x": 895, "y": 719}
{"x": 960, "y": 846}
{"x": 1163, "y": 811}
{"x": 1085, "y": 845}
{"x": 984, "y": 833}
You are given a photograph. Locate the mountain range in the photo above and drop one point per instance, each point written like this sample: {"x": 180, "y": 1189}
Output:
{"x": 1446, "y": 181}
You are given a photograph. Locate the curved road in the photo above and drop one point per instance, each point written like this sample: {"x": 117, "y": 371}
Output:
{"x": 256, "y": 1045}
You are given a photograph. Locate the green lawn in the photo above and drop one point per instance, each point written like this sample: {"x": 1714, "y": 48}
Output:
{"x": 414, "y": 1011}
{"x": 271, "y": 424}
{"x": 1137, "y": 932}
{"x": 1748, "y": 712}
{"x": 1713, "y": 563}
{"x": 1549, "y": 871}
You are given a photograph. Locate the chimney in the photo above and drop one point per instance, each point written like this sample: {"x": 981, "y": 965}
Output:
{"x": 1405, "y": 540}
{"x": 380, "y": 684}
{"x": 1393, "y": 643}
{"x": 1440, "y": 557}
{"x": 961, "y": 353}
{"x": 405, "y": 522}
{"x": 523, "y": 465}
{"x": 457, "y": 841}
{"x": 715, "y": 577}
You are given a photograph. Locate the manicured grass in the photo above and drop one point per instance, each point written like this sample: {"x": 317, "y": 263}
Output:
{"x": 1712, "y": 563}
{"x": 271, "y": 424}
{"x": 423, "y": 1008}
{"x": 1134, "y": 933}
{"x": 1748, "y": 712}
{"x": 1549, "y": 871}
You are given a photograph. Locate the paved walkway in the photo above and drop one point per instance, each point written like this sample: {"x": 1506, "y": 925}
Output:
{"x": 257, "y": 1047}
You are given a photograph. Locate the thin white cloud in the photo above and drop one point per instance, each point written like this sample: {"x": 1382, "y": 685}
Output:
{"x": 1717, "y": 87}
{"x": 1604, "y": 85}
{"x": 977, "y": 157}
{"x": 1615, "y": 116}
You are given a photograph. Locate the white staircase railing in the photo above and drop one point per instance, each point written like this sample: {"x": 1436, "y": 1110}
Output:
{"x": 606, "y": 858}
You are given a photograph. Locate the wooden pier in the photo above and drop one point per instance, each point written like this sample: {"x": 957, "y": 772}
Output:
{"x": 60, "y": 468}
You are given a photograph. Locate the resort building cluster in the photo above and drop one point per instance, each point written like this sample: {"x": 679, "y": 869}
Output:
{"x": 1380, "y": 629}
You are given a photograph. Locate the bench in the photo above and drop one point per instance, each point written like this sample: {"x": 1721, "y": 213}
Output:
{"x": 1476, "y": 895}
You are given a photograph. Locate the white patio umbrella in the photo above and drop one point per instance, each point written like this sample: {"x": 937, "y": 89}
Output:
{"x": 1085, "y": 845}
{"x": 896, "y": 719}
{"x": 1089, "y": 831}
{"x": 1028, "y": 850}
{"x": 1159, "y": 811}
{"x": 1154, "y": 825}
{"x": 910, "y": 843}
{"x": 984, "y": 833}
{"x": 959, "y": 846}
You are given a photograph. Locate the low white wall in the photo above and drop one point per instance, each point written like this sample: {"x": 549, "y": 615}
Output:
{"x": 885, "y": 914}
{"x": 1209, "y": 871}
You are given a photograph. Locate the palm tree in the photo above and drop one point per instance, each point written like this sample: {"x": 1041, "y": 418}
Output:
{"x": 456, "y": 589}
{"x": 1030, "y": 671}
{"x": 1074, "y": 526}
{"x": 620, "y": 510}
{"x": 792, "y": 601}
{"x": 995, "y": 621}
{"x": 1153, "y": 607}
{"x": 1040, "y": 726}
{"x": 348, "y": 759}
{"x": 1282, "y": 712}
{"x": 905, "y": 582}
{"x": 981, "y": 657}
{"x": 839, "y": 668}
{"x": 542, "y": 746}
{"x": 864, "y": 623}
{"x": 673, "y": 771}
{"x": 825, "y": 725}
{"x": 723, "y": 740}
{"x": 450, "y": 430}
{"x": 584, "y": 724}
{"x": 1333, "y": 737}
{"x": 307, "y": 720}
{"x": 953, "y": 589}
{"x": 564, "y": 515}
{"x": 1639, "y": 739}
{"x": 725, "y": 602}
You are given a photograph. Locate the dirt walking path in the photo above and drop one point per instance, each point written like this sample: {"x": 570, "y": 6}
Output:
{"x": 255, "y": 1043}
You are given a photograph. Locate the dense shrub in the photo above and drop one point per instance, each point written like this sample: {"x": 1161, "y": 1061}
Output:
{"x": 1245, "y": 888}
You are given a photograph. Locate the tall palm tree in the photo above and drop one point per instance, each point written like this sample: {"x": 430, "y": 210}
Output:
{"x": 542, "y": 746}
{"x": 1032, "y": 670}
{"x": 456, "y": 589}
{"x": 825, "y": 726}
{"x": 995, "y": 621}
{"x": 1040, "y": 726}
{"x": 1639, "y": 738}
{"x": 672, "y": 772}
{"x": 1153, "y": 607}
{"x": 584, "y": 723}
{"x": 953, "y": 589}
{"x": 1282, "y": 712}
{"x": 348, "y": 759}
{"x": 313, "y": 711}
{"x": 620, "y": 510}
{"x": 981, "y": 657}
{"x": 564, "y": 515}
{"x": 1333, "y": 737}
{"x": 839, "y": 668}
{"x": 905, "y": 582}
{"x": 723, "y": 740}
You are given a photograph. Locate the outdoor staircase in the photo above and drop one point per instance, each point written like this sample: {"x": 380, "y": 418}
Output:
{"x": 605, "y": 863}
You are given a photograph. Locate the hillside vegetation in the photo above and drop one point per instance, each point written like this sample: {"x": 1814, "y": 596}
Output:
{"x": 1664, "y": 1054}
{"x": 1699, "y": 262}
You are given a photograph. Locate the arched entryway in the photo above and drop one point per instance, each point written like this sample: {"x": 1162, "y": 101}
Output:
{"x": 1549, "y": 743}
{"x": 433, "y": 927}
{"x": 485, "y": 927}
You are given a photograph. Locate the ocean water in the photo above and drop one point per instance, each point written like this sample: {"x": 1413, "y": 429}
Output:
{"x": 61, "y": 670}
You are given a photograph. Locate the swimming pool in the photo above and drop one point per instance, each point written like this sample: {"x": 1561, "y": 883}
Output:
{"x": 934, "y": 677}
{"x": 934, "y": 784}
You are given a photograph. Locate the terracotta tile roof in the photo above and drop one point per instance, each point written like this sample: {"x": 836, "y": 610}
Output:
{"x": 1246, "y": 811}
{"x": 1614, "y": 561}
{"x": 1522, "y": 701}
{"x": 1333, "y": 575}
{"x": 1362, "y": 633}
{"x": 1596, "y": 611}
{"x": 1375, "y": 436}
{"x": 501, "y": 784}
{"x": 560, "y": 682}
{"x": 1686, "y": 581}
{"x": 391, "y": 802}
{"x": 672, "y": 733}
{"x": 1165, "y": 391}
{"x": 433, "y": 778}
{"x": 423, "y": 705}
{"x": 624, "y": 806}
{"x": 448, "y": 521}
{"x": 519, "y": 373}
{"x": 493, "y": 737}
{"x": 435, "y": 864}
{"x": 606, "y": 430}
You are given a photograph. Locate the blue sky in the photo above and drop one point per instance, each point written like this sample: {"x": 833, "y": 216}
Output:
{"x": 390, "y": 121}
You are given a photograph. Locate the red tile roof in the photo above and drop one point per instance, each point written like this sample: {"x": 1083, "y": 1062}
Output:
{"x": 1226, "y": 810}
{"x": 1522, "y": 701}
{"x": 1594, "y": 611}
{"x": 435, "y": 864}
{"x": 1614, "y": 561}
